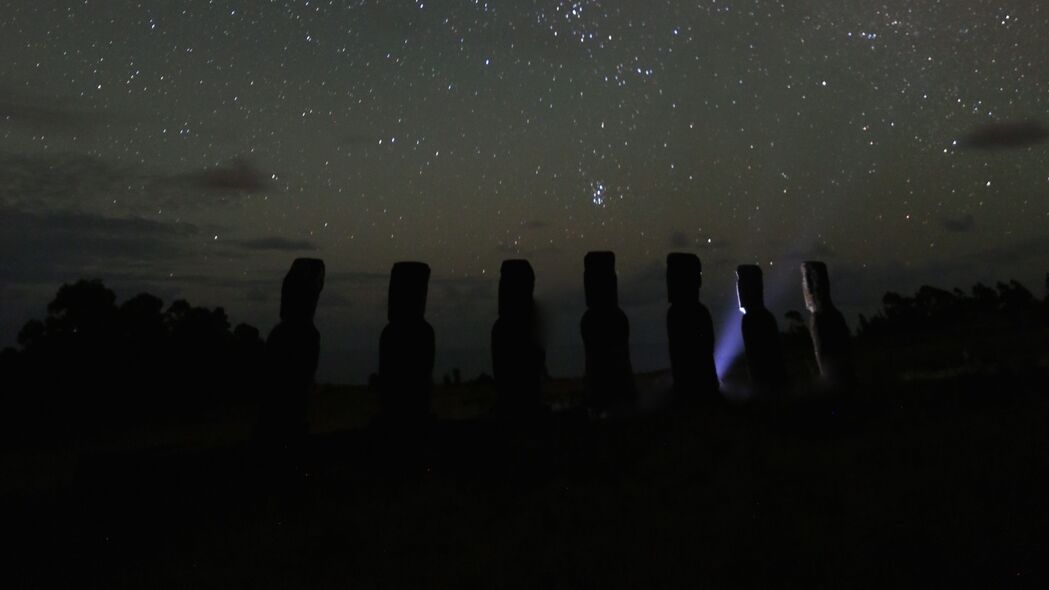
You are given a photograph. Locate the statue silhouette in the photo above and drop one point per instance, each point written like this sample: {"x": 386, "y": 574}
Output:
{"x": 606, "y": 336}
{"x": 830, "y": 333}
{"x": 690, "y": 330}
{"x": 406, "y": 347}
{"x": 292, "y": 351}
{"x": 518, "y": 358}
{"x": 761, "y": 339}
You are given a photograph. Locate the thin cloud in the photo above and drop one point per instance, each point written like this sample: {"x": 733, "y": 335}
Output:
{"x": 237, "y": 176}
{"x": 679, "y": 239}
{"x": 519, "y": 252}
{"x": 818, "y": 250}
{"x": 961, "y": 224}
{"x": 354, "y": 139}
{"x": 46, "y": 181}
{"x": 643, "y": 287}
{"x": 534, "y": 224}
{"x": 356, "y": 277}
{"x": 42, "y": 247}
{"x": 46, "y": 119}
{"x": 276, "y": 243}
{"x": 1006, "y": 135}
{"x": 45, "y": 114}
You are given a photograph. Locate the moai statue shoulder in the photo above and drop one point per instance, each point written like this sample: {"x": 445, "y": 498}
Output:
{"x": 406, "y": 346}
{"x": 292, "y": 352}
{"x": 606, "y": 336}
{"x": 518, "y": 358}
{"x": 761, "y": 338}
{"x": 690, "y": 330}
{"x": 830, "y": 333}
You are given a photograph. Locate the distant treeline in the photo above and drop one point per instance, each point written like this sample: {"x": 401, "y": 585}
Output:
{"x": 932, "y": 309}
{"x": 936, "y": 334}
{"x": 93, "y": 361}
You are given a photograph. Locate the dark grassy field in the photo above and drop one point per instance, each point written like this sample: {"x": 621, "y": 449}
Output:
{"x": 942, "y": 481}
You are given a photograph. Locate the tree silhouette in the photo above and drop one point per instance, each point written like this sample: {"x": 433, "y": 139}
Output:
{"x": 932, "y": 308}
{"x": 1000, "y": 328}
{"x": 91, "y": 364}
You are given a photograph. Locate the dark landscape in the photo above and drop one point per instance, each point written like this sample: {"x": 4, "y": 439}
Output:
{"x": 932, "y": 468}
{"x": 524, "y": 294}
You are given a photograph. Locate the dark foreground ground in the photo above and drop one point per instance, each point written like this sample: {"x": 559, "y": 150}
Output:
{"x": 941, "y": 482}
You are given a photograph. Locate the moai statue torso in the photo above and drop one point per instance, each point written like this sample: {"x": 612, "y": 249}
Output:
{"x": 690, "y": 330}
{"x": 518, "y": 358}
{"x": 292, "y": 351}
{"x": 761, "y": 339}
{"x": 606, "y": 336}
{"x": 406, "y": 347}
{"x": 830, "y": 333}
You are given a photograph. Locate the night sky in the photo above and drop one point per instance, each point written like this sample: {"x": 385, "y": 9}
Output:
{"x": 193, "y": 149}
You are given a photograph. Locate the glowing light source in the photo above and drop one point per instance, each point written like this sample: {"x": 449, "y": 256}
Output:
{"x": 728, "y": 345}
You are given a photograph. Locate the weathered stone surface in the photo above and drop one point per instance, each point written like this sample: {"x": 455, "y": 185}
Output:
{"x": 606, "y": 337}
{"x": 815, "y": 283}
{"x": 690, "y": 330}
{"x": 518, "y": 357}
{"x": 406, "y": 346}
{"x": 761, "y": 338}
{"x": 830, "y": 333}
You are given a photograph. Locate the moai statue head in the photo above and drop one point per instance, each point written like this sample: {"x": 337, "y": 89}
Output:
{"x": 301, "y": 290}
{"x": 599, "y": 280}
{"x": 408, "y": 284}
{"x": 684, "y": 277}
{"x": 750, "y": 287}
{"x": 816, "y": 285}
{"x": 516, "y": 287}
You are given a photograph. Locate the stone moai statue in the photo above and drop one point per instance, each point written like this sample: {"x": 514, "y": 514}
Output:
{"x": 292, "y": 350}
{"x": 830, "y": 333}
{"x": 606, "y": 336}
{"x": 761, "y": 339}
{"x": 690, "y": 330}
{"x": 406, "y": 347}
{"x": 518, "y": 358}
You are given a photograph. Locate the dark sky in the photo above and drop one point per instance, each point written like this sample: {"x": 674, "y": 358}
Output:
{"x": 193, "y": 149}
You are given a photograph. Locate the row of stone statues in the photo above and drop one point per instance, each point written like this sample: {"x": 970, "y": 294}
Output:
{"x": 406, "y": 347}
{"x": 830, "y": 333}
